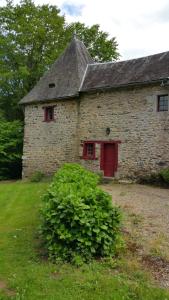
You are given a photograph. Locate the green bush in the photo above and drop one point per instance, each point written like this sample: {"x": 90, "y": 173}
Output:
{"x": 75, "y": 173}
{"x": 165, "y": 175}
{"x": 152, "y": 179}
{"x": 11, "y": 136}
{"x": 79, "y": 220}
{"x": 37, "y": 176}
{"x": 158, "y": 179}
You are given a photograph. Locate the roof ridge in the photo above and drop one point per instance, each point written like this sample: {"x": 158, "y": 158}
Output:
{"x": 77, "y": 65}
{"x": 83, "y": 77}
{"x": 127, "y": 60}
{"x": 79, "y": 62}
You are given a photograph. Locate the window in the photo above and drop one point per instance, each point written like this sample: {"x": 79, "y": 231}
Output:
{"x": 89, "y": 150}
{"x": 51, "y": 85}
{"x": 162, "y": 103}
{"x": 49, "y": 113}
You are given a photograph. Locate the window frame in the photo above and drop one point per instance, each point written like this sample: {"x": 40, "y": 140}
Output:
{"x": 46, "y": 113}
{"x": 159, "y": 98}
{"x": 85, "y": 151}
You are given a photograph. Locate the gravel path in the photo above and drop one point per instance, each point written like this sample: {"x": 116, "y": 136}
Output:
{"x": 146, "y": 220}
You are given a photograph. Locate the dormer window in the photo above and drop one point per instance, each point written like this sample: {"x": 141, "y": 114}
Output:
{"x": 49, "y": 113}
{"x": 51, "y": 85}
{"x": 162, "y": 104}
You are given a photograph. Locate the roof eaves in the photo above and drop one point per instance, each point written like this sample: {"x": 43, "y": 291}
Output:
{"x": 103, "y": 88}
{"x": 49, "y": 100}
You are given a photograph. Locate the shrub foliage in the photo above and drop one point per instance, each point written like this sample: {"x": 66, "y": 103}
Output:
{"x": 79, "y": 220}
{"x": 158, "y": 179}
{"x": 11, "y": 134}
{"x": 165, "y": 175}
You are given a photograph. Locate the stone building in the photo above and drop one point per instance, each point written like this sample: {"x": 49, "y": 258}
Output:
{"x": 110, "y": 117}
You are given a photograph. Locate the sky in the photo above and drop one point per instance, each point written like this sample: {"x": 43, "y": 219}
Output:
{"x": 141, "y": 27}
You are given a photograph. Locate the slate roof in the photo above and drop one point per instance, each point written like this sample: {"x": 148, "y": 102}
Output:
{"x": 142, "y": 70}
{"x": 75, "y": 72}
{"x": 66, "y": 74}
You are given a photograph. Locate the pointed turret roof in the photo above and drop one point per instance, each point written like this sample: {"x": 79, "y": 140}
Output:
{"x": 64, "y": 78}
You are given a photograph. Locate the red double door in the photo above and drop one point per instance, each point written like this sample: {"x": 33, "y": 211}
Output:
{"x": 109, "y": 159}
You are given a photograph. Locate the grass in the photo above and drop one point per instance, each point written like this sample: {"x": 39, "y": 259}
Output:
{"x": 25, "y": 275}
{"x": 159, "y": 246}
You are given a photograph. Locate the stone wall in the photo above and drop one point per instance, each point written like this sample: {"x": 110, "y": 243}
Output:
{"x": 131, "y": 115}
{"x": 133, "y": 119}
{"x": 47, "y": 145}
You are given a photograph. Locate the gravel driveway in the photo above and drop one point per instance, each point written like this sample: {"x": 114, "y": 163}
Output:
{"x": 146, "y": 220}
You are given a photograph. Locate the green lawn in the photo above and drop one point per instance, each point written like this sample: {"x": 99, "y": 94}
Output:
{"x": 24, "y": 274}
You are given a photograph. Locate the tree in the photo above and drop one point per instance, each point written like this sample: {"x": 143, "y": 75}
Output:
{"x": 99, "y": 46}
{"x": 31, "y": 38}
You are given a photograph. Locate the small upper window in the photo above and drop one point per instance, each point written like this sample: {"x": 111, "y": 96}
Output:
{"x": 49, "y": 113}
{"x": 51, "y": 85}
{"x": 162, "y": 103}
{"x": 89, "y": 150}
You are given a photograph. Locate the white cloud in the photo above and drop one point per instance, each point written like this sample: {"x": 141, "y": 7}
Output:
{"x": 140, "y": 27}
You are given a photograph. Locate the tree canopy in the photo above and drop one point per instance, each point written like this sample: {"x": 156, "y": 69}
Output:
{"x": 31, "y": 37}
{"x": 100, "y": 47}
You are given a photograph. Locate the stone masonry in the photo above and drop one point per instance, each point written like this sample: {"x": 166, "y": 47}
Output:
{"x": 48, "y": 145}
{"x": 130, "y": 113}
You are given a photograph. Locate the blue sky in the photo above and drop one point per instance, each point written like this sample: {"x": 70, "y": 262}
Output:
{"x": 71, "y": 9}
{"x": 140, "y": 27}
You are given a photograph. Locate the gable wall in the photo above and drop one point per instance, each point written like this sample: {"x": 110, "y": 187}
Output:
{"x": 131, "y": 116}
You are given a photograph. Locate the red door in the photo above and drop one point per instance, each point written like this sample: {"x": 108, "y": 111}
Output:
{"x": 109, "y": 159}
